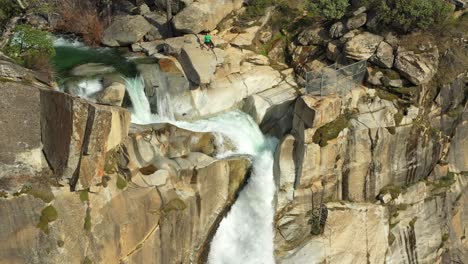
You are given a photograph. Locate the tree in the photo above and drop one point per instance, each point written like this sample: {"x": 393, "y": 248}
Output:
{"x": 28, "y": 42}
{"x": 329, "y": 9}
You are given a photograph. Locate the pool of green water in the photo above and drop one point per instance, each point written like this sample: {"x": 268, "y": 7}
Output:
{"x": 68, "y": 57}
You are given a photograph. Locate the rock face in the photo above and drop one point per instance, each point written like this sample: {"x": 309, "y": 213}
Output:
{"x": 76, "y": 136}
{"x": 126, "y": 30}
{"x": 356, "y": 21}
{"x": 112, "y": 94}
{"x": 348, "y": 225}
{"x": 126, "y": 221}
{"x": 313, "y": 36}
{"x": 417, "y": 68}
{"x": 204, "y": 15}
{"x": 273, "y": 108}
{"x": 384, "y": 56}
{"x": 375, "y": 151}
{"x": 20, "y": 132}
{"x": 199, "y": 64}
{"x": 362, "y": 46}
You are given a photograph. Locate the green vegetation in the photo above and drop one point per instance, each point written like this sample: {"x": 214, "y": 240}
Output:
{"x": 28, "y": 42}
{"x": 48, "y": 215}
{"x": 384, "y": 95}
{"x": 84, "y": 195}
{"x": 121, "y": 182}
{"x": 39, "y": 191}
{"x": 398, "y": 118}
{"x": 87, "y": 260}
{"x": 331, "y": 130}
{"x": 413, "y": 221}
{"x": 393, "y": 190}
{"x": 174, "y": 205}
{"x": 391, "y": 238}
{"x": 329, "y": 9}
{"x": 87, "y": 220}
{"x": 60, "y": 243}
{"x": 257, "y": 8}
{"x": 445, "y": 181}
{"x": 445, "y": 237}
{"x": 8, "y": 8}
{"x": 410, "y": 15}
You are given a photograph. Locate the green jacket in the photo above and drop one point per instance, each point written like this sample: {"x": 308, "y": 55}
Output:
{"x": 207, "y": 39}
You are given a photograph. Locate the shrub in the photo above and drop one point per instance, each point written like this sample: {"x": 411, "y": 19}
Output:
{"x": 8, "y": 8}
{"x": 81, "y": 17}
{"x": 329, "y": 9}
{"x": 409, "y": 15}
{"x": 28, "y": 43}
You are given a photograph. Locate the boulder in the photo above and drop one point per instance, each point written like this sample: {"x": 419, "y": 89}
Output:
{"x": 314, "y": 112}
{"x": 333, "y": 50}
{"x": 126, "y": 30}
{"x": 204, "y": 15}
{"x": 199, "y": 64}
{"x": 337, "y": 30}
{"x": 265, "y": 36}
{"x": 277, "y": 51}
{"x": 227, "y": 92}
{"x": 356, "y": 21}
{"x": 272, "y": 109}
{"x": 417, "y": 68}
{"x": 374, "y": 77}
{"x": 362, "y": 46}
{"x": 384, "y": 56}
{"x": 316, "y": 35}
{"x": 244, "y": 38}
{"x": 112, "y": 95}
{"x": 91, "y": 69}
{"x": 76, "y": 136}
{"x": 374, "y": 113}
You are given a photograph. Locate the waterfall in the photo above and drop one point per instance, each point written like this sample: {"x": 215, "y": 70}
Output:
{"x": 88, "y": 88}
{"x": 141, "y": 113}
{"x": 245, "y": 235}
{"x": 163, "y": 98}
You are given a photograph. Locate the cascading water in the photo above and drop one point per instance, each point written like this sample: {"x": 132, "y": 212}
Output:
{"x": 141, "y": 113}
{"x": 245, "y": 235}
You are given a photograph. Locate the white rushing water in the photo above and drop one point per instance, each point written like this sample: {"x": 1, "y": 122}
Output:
{"x": 88, "y": 88}
{"x": 245, "y": 235}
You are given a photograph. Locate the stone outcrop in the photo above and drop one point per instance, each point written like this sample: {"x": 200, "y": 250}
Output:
{"x": 384, "y": 55}
{"x": 204, "y": 15}
{"x": 199, "y": 64}
{"x": 272, "y": 109}
{"x": 417, "y": 68}
{"x": 154, "y": 204}
{"x": 76, "y": 136}
{"x": 126, "y": 30}
{"x": 112, "y": 94}
{"x": 362, "y": 46}
{"x": 21, "y": 155}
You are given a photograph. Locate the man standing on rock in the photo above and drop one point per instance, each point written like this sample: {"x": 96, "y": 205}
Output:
{"x": 208, "y": 43}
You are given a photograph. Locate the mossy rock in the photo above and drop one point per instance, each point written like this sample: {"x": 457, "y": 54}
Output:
{"x": 393, "y": 190}
{"x": 87, "y": 220}
{"x": 384, "y": 95}
{"x": 121, "y": 182}
{"x": 40, "y": 191}
{"x": 176, "y": 204}
{"x": 331, "y": 130}
{"x": 84, "y": 195}
{"x": 48, "y": 215}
